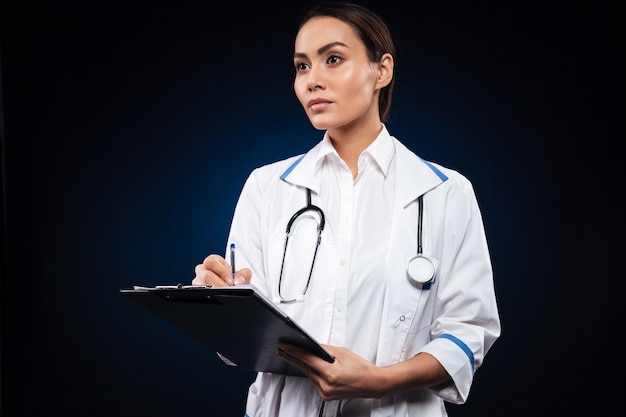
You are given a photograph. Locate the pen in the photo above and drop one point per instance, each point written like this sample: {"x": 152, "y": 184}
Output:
{"x": 232, "y": 260}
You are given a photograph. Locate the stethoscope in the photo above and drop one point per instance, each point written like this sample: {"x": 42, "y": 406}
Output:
{"x": 420, "y": 268}
{"x": 320, "y": 226}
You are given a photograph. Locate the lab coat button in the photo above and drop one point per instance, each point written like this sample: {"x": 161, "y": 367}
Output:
{"x": 402, "y": 318}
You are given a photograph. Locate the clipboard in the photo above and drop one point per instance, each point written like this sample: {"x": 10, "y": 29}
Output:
{"x": 240, "y": 323}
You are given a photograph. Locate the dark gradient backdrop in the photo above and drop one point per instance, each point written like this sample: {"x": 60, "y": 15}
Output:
{"x": 130, "y": 126}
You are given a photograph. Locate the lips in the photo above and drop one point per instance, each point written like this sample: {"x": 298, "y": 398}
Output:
{"x": 318, "y": 104}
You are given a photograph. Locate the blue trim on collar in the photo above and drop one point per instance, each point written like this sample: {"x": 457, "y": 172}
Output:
{"x": 440, "y": 174}
{"x": 462, "y": 345}
{"x": 291, "y": 167}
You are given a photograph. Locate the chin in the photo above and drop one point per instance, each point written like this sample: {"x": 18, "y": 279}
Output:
{"x": 319, "y": 126}
{"x": 320, "y": 122}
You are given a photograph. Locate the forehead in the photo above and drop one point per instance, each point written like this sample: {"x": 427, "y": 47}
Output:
{"x": 320, "y": 31}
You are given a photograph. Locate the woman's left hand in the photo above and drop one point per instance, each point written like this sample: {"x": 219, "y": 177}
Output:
{"x": 349, "y": 376}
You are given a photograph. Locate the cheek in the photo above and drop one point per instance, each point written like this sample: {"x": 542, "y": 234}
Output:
{"x": 299, "y": 87}
{"x": 357, "y": 83}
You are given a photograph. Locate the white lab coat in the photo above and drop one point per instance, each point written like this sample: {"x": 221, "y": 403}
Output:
{"x": 455, "y": 319}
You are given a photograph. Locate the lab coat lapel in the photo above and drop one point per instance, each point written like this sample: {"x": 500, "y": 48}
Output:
{"x": 414, "y": 177}
{"x": 304, "y": 172}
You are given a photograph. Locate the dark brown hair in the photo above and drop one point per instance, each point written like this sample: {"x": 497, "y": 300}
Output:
{"x": 372, "y": 31}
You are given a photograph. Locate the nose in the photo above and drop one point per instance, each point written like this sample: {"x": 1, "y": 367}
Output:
{"x": 315, "y": 80}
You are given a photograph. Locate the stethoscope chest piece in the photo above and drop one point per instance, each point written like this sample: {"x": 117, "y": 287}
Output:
{"x": 420, "y": 269}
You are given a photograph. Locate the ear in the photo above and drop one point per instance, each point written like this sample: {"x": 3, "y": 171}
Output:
{"x": 385, "y": 71}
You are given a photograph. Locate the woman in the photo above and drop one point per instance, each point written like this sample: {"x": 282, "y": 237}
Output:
{"x": 403, "y": 344}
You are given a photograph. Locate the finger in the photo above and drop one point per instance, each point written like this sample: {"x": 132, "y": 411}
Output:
{"x": 206, "y": 277}
{"x": 302, "y": 356}
{"x": 243, "y": 276}
{"x": 221, "y": 269}
{"x": 297, "y": 362}
{"x": 296, "y": 351}
{"x": 211, "y": 272}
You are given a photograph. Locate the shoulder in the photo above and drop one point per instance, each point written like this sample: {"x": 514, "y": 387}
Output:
{"x": 273, "y": 171}
{"x": 448, "y": 179}
{"x": 454, "y": 176}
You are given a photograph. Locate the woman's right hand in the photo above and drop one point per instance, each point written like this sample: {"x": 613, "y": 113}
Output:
{"x": 216, "y": 272}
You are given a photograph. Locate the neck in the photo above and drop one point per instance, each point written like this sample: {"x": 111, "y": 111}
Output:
{"x": 351, "y": 141}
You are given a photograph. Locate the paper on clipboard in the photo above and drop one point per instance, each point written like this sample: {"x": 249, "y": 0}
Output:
{"x": 240, "y": 323}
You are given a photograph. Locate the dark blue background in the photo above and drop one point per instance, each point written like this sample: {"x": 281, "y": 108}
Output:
{"x": 130, "y": 126}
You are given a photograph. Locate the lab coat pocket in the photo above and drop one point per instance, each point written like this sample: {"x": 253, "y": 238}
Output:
{"x": 420, "y": 319}
{"x": 418, "y": 327}
{"x": 422, "y": 314}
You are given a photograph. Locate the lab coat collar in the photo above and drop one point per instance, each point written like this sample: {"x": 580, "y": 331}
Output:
{"x": 414, "y": 176}
{"x": 381, "y": 150}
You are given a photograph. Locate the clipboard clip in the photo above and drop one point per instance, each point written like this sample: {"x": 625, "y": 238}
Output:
{"x": 187, "y": 293}
{"x": 182, "y": 287}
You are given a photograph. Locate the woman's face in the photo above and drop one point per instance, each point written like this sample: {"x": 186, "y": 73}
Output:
{"x": 335, "y": 81}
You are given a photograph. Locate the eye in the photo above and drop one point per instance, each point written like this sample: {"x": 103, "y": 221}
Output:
{"x": 301, "y": 66}
{"x": 334, "y": 59}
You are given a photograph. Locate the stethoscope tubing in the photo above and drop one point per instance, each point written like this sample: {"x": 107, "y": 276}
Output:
{"x": 420, "y": 268}
{"x": 320, "y": 227}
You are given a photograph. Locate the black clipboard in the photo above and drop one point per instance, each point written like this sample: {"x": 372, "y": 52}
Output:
{"x": 240, "y": 323}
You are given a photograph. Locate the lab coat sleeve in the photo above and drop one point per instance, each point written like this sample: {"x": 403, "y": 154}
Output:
{"x": 245, "y": 233}
{"x": 247, "y": 227}
{"x": 465, "y": 317}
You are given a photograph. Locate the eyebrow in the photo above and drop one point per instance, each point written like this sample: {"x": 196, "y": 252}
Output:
{"x": 320, "y": 50}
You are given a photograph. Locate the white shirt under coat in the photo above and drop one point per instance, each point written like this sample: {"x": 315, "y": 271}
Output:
{"x": 360, "y": 295}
